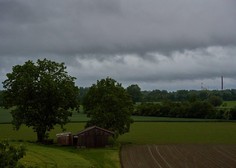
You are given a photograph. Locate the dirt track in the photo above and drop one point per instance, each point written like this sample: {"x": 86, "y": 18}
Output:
{"x": 178, "y": 156}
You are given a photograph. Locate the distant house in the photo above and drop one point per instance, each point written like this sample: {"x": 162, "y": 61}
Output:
{"x": 65, "y": 138}
{"x": 92, "y": 137}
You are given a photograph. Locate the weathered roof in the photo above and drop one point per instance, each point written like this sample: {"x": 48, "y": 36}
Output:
{"x": 95, "y": 127}
{"x": 63, "y": 134}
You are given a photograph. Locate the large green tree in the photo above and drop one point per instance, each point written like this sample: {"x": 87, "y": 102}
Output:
{"x": 109, "y": 106}
{"x": 43, "y": 95}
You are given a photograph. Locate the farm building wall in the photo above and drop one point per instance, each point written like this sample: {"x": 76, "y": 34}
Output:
{"x": 94, "y": 137}
{"x": 64, "y": 139}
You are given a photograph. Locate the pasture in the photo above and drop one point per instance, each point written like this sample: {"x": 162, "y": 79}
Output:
{"x": 141, "y": 133}
{"x": 229, "y": 104}
{"x": 66, "y": 157}
{"x": 149, "y": 132}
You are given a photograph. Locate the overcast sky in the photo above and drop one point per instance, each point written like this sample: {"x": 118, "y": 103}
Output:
{"x": 157, "y": 44}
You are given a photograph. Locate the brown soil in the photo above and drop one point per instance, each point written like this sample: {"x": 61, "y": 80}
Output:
{"x": 178, "y": 156}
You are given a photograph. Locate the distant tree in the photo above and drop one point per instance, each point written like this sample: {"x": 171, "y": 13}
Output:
{"x": 148, "y": 109}
{"x": 201, "y": 109}
{"x": 204, "y": 94}
{"x": 192, "y": 97}
{"x": 10, "y": 155}
{"x": 156, "y": 95}
{"x": 43, "y": 95}
{"x": 135, "y": 93}
{"x": 232, "y": 114}
{"x": 82, "y": 92}
{"x": 109, "y": 106}
{"x": 181, "y": 95}
{"x": 1, "y": 98}
{"x": 215, "y": 100}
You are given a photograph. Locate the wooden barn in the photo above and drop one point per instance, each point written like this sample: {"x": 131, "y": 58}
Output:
{"x": 65, "y": 138}
{"x": 93, "y": 137}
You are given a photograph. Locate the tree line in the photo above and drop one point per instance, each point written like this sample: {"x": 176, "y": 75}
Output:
{"x": 196, "y": 109}
{"x": 185, "y": 95}
{"x": 156, "y": 95}
{"x": 138, "y": 95}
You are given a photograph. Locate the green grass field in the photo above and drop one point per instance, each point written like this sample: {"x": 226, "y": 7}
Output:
{"x": 140, "y": 133}
{"x": 5, "y": 115}
{"x": 67, "y": 157}
{"x": 162, "y": 131}
{"x": 181, "y": 133}
{"x": 229, "y": 104}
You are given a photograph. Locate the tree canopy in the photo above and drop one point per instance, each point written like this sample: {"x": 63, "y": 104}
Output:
{"x": 109, "y": 106}
{"x": 135, "y": 92}
{"x": 42, "y": 94}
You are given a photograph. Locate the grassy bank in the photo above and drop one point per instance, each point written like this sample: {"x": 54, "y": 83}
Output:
{"x": 67, "y": 157}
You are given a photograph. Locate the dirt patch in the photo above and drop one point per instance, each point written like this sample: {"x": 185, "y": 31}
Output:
{"x": 178, "y": 156}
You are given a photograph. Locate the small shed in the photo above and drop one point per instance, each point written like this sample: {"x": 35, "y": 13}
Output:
{"x": 64, "y": 138}
{"x": 93, "y": 137}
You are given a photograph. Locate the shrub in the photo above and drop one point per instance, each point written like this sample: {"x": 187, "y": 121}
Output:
{"x": 10, "y": 155}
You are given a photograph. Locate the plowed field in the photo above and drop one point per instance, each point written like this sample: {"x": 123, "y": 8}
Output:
{"x": 178, "y": 156}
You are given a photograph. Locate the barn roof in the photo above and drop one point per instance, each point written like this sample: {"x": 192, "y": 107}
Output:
{"x": 95, "y": 127}
{"x": 63, "y": 134}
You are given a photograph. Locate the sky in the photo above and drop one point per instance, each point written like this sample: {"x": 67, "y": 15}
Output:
{"x": 157, "y": 44}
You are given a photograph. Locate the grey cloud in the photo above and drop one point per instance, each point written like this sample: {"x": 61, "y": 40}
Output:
{"x": 199, "y": 64}
{"x": 110, "y": 26}
{"x": 154, "y": 42}
{"x": 181, "y": 70}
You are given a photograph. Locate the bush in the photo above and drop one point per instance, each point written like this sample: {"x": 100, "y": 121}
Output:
{"x": 232, "y": 114}
{"x": 215, "y": 100}
{"x": 201, "y": 109}
{"x": 148, "y": 109}
{"x": 10, "y": 155}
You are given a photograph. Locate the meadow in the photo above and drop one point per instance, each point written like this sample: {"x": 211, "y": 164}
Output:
{"x": 229, "y": 104}
{"x": 145, "y": 130}
{"x": 147, "y": 133}
{"x": 140, "y": 133}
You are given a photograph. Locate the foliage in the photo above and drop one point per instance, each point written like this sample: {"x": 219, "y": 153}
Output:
{"x": 200, "y": 109}
{"x": 82, "y": 92}
{"x": 188, "y": 95}
{"x": 215, "y": 100}
{"x": 135, "y": 92}
{"x": 109, "y": 106}
{"x": 10, "y": 155}
{"x": 1, "y": 98}
{"x": 232, "y": 114}
{"x": 196, "y": 109}
{"x": 42, "y": 94}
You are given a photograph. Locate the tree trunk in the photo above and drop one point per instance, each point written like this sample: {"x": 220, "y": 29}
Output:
{"x": 40, "y": 136}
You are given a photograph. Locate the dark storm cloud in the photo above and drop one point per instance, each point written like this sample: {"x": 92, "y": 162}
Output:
{"x": 110, "y": 26}
{"x": 164, "y": 44}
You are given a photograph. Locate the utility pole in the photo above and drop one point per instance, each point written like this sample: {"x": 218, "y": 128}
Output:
{"x": 222, "y": 83}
